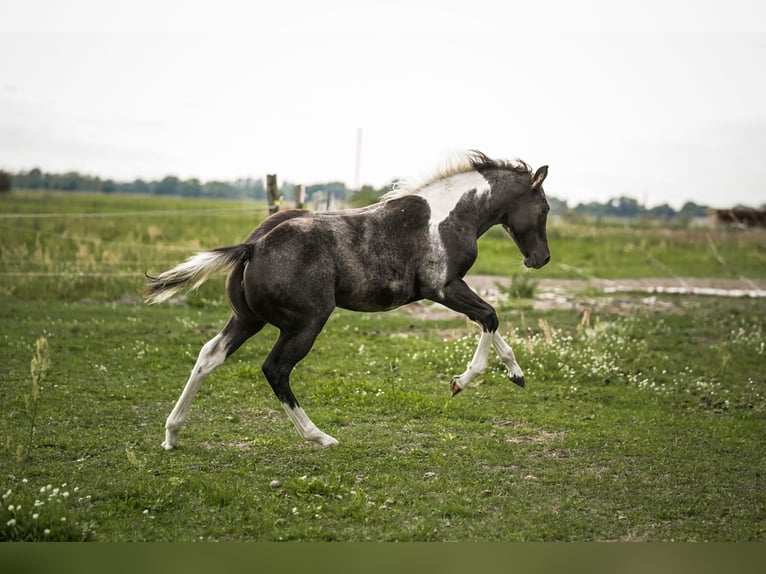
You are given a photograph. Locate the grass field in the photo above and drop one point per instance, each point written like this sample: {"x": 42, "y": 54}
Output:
{"x": 640, "y": 425}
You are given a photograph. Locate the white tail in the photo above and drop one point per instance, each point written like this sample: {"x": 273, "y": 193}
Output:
{"x": 191, "y": 273}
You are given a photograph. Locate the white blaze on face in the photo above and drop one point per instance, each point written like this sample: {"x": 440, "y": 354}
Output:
{"x": 442, "y": 197}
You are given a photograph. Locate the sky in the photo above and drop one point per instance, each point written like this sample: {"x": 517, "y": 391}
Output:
{"x": 662, "y": 101}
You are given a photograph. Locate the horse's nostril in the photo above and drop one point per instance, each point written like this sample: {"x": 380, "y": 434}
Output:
{"x": 547, "y": 259}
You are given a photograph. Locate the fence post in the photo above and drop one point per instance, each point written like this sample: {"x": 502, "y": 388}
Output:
{"x": 272, "y": 193}
{"x": 300, "y": 196}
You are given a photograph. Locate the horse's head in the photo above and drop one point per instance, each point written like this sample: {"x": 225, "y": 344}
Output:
{"x": 526, "y": 219}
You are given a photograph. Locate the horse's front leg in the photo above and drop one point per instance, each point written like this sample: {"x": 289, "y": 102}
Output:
{"x": 506, "y": 355}
{"x": 459, "y": 297}
{"x": 477, "y": 365}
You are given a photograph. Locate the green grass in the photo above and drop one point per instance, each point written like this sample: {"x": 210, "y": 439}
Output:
{"x": 635, "y": 425}
{"x": 625, "y": 432}
{"x": 69, "y": 246}
{"x": 633, "y": 250}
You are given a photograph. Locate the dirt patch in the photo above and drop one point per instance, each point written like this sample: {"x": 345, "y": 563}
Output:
{"x": 622, "y": 297}
{"x": 539, "y": 437}
{"x": 527, "y": 435}
{"x": 488, "y": 285}
{"x": 240, "y": 445}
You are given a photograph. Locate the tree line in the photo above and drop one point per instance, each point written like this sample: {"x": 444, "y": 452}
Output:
{"x": 242, "y": 189}
{"x": 254, "y": 189}
{"x": 36, "y": 179}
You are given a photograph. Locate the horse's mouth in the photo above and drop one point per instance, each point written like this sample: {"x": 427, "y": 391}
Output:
{"x": 536, "y": 263}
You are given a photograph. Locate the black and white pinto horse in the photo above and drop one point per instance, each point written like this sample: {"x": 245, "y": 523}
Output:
{"x": 416, "y": 243}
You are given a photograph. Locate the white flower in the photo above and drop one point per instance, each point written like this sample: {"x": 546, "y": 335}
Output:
{"x": 35, "y": 516}
{"x": 10, "y": 508}
{"x": 11, "y": 522}
{"x": 47, "y": 531}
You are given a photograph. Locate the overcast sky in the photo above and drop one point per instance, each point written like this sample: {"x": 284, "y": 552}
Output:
{"x": 664, "y": 101}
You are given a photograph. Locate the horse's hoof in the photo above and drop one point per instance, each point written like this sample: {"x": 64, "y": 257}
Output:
{"x": 519, "y": 381}
{"x": 324, "y": 440}
{"x": 171, "y": 439}
{"x": 455, "y": 387}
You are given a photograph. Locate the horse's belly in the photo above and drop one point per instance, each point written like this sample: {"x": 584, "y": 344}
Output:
{"x": 369, "y": 297}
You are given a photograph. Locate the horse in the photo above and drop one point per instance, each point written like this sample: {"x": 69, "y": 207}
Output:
{"x": 416, "y": 243}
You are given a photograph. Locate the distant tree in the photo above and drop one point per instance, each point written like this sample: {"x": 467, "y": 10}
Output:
{"x": 139, "y": 186}
{"x": 558, "y": 207}
{"x": 663, "y": 211}
{"x": 365, "y": 196}
{"x": 33, "y": 179}
{"x": 191, "y": 188}
{"x": 691, "y": 210}
{"x": 108, "y": 186}
{"x": 6, "y": 181}
{"x": 592, "y": 209}
{"x": 625, "y": 207}
{"x": 170, "y": 185}
{"x": 255, "y": 189}
{"x": 221, "y": 189}
{"x": 69, "y": 181}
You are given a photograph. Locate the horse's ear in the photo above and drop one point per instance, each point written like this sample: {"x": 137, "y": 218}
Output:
{"x": 539, "y": 177}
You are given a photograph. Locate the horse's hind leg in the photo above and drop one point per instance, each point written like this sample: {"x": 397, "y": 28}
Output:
{"x": 290, "y": 348}
{"x": 213, "y": 353}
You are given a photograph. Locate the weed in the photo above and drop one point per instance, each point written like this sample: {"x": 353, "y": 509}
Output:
{"x": 44, "y": 514}
{"x": 522, "y": 286}
{"x": 38, "y": 369}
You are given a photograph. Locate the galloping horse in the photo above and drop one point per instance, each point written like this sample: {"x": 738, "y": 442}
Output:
{"x": 417, "y": 243}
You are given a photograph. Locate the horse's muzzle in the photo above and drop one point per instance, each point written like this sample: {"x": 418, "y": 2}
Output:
{"x": 537, "y": 262}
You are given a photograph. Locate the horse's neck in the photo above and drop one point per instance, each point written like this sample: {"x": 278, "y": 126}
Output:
{"x": 444, "y": 196}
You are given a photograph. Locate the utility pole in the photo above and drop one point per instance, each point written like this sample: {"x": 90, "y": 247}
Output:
{"x": 358, "y": 166}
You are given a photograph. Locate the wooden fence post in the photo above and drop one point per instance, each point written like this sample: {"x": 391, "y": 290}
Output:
{"x": 272, "y": 193}
{"x": 300, "y": 196}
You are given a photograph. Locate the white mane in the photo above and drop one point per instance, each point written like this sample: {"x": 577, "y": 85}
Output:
{"x": 457, "y": 163}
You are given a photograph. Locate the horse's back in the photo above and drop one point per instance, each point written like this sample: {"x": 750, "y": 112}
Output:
{"x": 365, "y": 259}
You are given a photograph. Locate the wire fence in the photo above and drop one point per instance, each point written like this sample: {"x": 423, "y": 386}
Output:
{"x": 73, "y": 267}
{"x": 117, "y": 214}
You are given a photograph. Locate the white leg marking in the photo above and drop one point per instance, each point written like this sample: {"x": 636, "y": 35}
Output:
{"x": 506, "y": 355}
{"x": 307, "y": 429}
{"x": 210, "y": 357}
{"x": 477, "y": 365}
